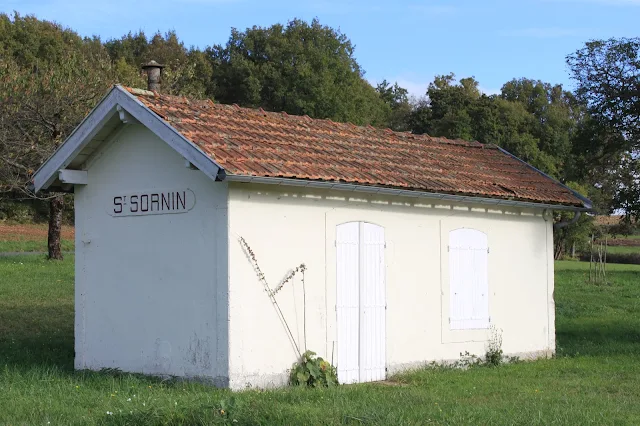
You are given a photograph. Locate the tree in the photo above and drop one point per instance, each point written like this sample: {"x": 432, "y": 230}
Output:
{"x": 188, "y": 72}
{"x": 595, "y": 163}
{"x": 533, "y": 120}
{"x": 627, "y": 197}
{"x": 446, "y": 110}
{"x": 31, "y": 42}
{"x": 578, "y": 235}
{"x": 555, "y": 115}
{"x": 42, "y": 99}
{"x": 300, "y": 68}
{"x": 607, "y": 73}
{"x": 397, "y": 100}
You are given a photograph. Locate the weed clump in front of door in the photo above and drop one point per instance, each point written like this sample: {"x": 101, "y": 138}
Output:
{"x": 313, "y": 371}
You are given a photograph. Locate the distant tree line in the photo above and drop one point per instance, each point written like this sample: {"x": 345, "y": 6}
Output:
{"x": 50, "y": 77}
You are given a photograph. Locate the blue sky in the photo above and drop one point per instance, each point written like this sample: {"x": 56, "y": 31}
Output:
{"x": 404, "y": 41}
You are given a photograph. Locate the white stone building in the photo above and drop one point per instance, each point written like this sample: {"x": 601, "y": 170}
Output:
{"x": 414, "y": 246}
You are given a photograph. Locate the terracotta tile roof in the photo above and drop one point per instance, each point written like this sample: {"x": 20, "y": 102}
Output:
{"x": 254, "y": 142}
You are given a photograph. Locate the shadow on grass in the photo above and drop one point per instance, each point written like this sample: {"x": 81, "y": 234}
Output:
{"x": 210, "y": 414}
{"x": 201, "y": 416}
{"x": 28, "y": 342}
{"x": 597, "y": 338}
{"x": 37, "y": 336}
{"x": 42, "y": 351}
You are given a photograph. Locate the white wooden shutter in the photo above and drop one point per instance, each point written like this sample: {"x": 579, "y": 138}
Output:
{"x": 347, "y": 301}
{"x": 468, "y": 279}
{"x": 372, "y": 303}
{"x": 456, "y": 289}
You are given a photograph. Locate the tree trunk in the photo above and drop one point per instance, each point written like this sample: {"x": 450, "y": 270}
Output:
{"x": 55, "y": 227}
{"x": 558, "y": 249}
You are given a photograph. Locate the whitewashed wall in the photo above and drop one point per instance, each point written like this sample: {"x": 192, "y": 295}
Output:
{"x": 151, "y": 290}
{"x": 288, "y": 226}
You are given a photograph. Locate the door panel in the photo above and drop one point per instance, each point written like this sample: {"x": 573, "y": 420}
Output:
{"x": 361, "y": 302}
{"x": 347, "y": 299}
{"x": 373, "y": 304}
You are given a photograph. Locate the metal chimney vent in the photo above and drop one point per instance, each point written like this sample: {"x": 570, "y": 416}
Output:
{"x": 154, "y": 75}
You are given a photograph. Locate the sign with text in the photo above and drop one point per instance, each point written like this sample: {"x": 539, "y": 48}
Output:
{"x": 152, "y": 202}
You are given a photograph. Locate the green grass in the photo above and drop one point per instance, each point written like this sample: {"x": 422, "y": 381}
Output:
{"x": 623, "y": 249}
{"x": 22, "y": 246}
{"x": 563, "y": 266}
{"x": 594, "y": 380}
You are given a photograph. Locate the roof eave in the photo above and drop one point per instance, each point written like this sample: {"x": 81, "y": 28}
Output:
{"x": 96, "y": 119}
{"x": 587, "y": 203}
{"x": 369, "y": 189}
{"x": 81, "y": 135}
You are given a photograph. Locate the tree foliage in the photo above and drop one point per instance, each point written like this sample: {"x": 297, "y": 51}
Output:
{"x": 300, "y": 68}
{"x": 50, "y": 77}
{"x": 607, "y": 73}
{"x": 399, "y": 106}
{"x": 44, "y": 95}
{"x": 627, "y": 195}
{"x": 188, "y": 72}
{"x": 576, "y": 236}
{"x": 535, "y": 121}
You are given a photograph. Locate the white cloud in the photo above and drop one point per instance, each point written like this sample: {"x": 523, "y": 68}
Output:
{"x": 544, "y": 32}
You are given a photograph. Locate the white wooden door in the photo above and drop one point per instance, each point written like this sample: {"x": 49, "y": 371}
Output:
{"x": 361, "y": 302}
{"x": 372, "y": 303}
{"x": 348, "y": 301}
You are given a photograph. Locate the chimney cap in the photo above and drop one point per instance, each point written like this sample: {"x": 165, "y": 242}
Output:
{"x": 152, "y": 64}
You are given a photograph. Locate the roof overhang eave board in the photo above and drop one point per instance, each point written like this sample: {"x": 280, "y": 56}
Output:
{"x": 368, "y": 189}
{"x": 114, "y": 102}
{"x": 587, "y": 203}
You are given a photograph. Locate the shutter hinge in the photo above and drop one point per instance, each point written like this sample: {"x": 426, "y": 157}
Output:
{"x": 449, "y": 320}
{"x": 488, "y": 250}
{"x": 335, "y": 243}
{"x": 489, "y": 319}
{"x": 448, "y": 248}
{"x": 385, "y": 244}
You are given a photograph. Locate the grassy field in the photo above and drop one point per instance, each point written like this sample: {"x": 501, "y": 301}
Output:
{"x": 623, "y": 249}
{"x": 595, "y": 380}
{"x": 18, "y": 238}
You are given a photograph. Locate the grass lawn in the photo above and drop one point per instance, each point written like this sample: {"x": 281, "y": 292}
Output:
{"x": 31, "y": 237}
{"x": 623, "y": 249}
{"x": 594, "y": 380}
{"x": 25, "y": 246}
